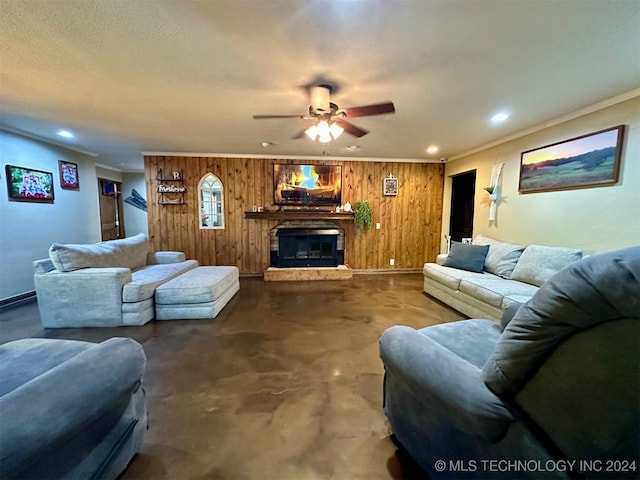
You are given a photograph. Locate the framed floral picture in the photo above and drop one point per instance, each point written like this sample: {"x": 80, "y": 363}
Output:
{"x": 69, "y": 175}
{"x": 29, "y": 185}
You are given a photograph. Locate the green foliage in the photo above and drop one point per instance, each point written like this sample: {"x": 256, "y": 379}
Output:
{"x": 362, "y": 214}
{"x": 489, "y": 189}
{"x": 568, "y": 175}
{"x": 30, "y": 183}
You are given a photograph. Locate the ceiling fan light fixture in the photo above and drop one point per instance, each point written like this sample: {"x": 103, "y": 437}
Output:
{"x": 324, "y": 131}
{"x": 324, "y": 138}
{"x": 327, "y": 120}
{"x": 312, "y": 132}
{"x": 323, "y": 128}
{"x": 336, "y": 130}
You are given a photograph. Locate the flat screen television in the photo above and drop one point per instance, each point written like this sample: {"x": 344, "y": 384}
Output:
{"x": 307, "y": 185}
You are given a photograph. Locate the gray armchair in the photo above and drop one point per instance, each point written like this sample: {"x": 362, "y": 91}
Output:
{"x": 554, "y": 395}
{"x": 70, "y": 409}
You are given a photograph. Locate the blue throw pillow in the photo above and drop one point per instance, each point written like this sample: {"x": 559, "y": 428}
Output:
{"x": 466, "y": 256}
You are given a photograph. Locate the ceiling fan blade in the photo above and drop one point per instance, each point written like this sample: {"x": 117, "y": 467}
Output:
{"x": 299, "y": 135}
{"x": 262, "y": 117}
{"x": 351, "y": 129}
{"x": 368, "y": 110}
{"x": 303, "y": 132}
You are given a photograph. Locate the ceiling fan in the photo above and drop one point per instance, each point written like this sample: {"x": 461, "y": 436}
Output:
{"x": 327, "y": 120}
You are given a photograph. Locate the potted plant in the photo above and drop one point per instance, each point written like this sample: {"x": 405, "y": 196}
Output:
{"x": 362, "y": 214}
{"x": 493, "y": 196}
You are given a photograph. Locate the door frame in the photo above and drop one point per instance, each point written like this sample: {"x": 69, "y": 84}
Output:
{"x": 103, "y": 191}
{"x": 462, "y": 205}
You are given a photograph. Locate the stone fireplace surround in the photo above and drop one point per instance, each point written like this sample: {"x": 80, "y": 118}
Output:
{"x": 305, "y": 225}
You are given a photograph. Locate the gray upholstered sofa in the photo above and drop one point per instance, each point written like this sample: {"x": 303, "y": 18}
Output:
{"x": 70, "y": 409}
{"x": 510, "y": 274}
{"x": 556, "y": 394}
{"x": 105, "y": 284}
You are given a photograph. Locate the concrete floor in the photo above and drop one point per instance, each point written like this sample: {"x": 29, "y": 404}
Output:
{"x": 285, "y": 383}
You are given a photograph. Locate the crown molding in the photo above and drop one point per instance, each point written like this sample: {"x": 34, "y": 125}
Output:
{"x": 292, "y": 157}
{"x": 556, "y": 121}
{"x": 48, "y": 140}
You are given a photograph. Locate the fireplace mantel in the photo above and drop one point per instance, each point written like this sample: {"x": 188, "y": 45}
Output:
{"x": 298, "y": 215}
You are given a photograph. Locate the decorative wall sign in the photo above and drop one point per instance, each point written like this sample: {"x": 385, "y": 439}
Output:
{"x": 136, "y": 200}
{"x": 588, "y": 161}
{"x": 69, "y": 178}
{"x": 496, "y": 170}
{"x": 29, "y": 185}
{"x": 171, "y": 189}
{"x": 390, "y": 185}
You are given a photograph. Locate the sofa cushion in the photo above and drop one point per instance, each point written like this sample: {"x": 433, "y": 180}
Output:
{"x": 586, "y": 397}
{"x": 462, "y": 337}
{"x": 492, "y": 289}
{"x": 508, "y": 313}
{"x": 483, "y": 291}
{"x": 502, "y": 257}
{"x": 595, "y": 290}
{"x": 518, "y": 298}
{"x": 201, "y": 285}
{"x": 145, "y": 280}
{"x": 538, "y": 263}
{"x": 467, "y": 257}
{"x": 128, "y": 252}
{"x": 449, "y": 277}
{"x": 29, "y": 358}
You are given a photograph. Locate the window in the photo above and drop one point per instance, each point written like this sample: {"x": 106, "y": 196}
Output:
{"x": 211, "y": 202}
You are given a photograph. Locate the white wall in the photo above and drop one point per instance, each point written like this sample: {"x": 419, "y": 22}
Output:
{"x": 108, "y": 174}
{"x": 592, "y": 219}
{"x": 28, "y": 229}
{"x": 135, "y": 219}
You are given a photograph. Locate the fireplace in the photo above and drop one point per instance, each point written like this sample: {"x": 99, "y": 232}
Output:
{"x": 307, "y": 244}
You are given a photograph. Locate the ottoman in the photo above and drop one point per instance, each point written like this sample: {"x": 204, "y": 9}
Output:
{"x": 199, "y": 293}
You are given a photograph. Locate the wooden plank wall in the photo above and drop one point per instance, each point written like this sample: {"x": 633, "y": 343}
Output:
{"x": 410, "y": 221}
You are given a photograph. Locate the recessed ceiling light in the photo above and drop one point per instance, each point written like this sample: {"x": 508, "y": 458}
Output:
{"x": 432, "y": 149}
{"x": 353, "y": 148}
{"x": 499, "y": 117}
{"x": 65, "y": 134}
{"x": 266, "y": 144}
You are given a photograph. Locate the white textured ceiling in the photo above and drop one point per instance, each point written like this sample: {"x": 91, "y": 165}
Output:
{"x": 182, "y": 76}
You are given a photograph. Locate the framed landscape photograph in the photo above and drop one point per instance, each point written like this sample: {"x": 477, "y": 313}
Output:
{"x": 591, "y": 160}
{"x": 68, "y": 175}
{"x": 29, "y": 185}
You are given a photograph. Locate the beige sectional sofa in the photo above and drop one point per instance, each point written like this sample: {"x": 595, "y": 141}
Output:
{"x": 105, "y": 284}
{"x": 511, "y": 274}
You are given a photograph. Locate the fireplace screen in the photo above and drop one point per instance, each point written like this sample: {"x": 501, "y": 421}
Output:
{"x": 307, "y": 247}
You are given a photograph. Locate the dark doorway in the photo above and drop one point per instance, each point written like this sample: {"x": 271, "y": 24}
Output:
{"x": 111, "y": 221}
{"x": 463, "y": 189}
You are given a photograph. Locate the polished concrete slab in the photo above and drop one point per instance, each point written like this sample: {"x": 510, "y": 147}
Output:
{"x": 285, "y": 383}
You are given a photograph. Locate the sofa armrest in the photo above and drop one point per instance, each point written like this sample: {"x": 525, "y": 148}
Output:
{"x": 155, "y": 258}
{"x": 441, "y": 258}
{"x": 67, "y": 399}
{"x": 44, "y": 265}
{"x": 446, "y": 383}
{"x": 89, "y": 296}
